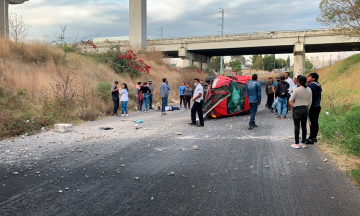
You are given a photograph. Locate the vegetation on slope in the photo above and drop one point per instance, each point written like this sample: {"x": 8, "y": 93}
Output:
{"x": 41, "y": 85}
{"x": 340, "y": 117}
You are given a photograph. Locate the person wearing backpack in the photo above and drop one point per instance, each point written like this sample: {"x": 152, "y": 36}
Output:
{"x": 281, "y": 94}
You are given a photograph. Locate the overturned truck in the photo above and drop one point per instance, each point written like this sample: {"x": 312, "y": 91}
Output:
{"x": 226, "y": 96}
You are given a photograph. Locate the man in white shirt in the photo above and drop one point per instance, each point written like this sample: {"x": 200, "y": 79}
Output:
{"x": 291, "y": 86}
{"x": 198, "y": 99}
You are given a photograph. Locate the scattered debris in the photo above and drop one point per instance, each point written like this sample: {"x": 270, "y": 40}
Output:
{"x": 137, "y": 178}
{"x": 67, "y": 188}
{"x": 106, "y": 128}
{"x": 195, "y": 147}
{"x": 60, "y": 191}
{"x": 171, "y": 174}
{"x": 15, "y": 173}
{"x": 267, "y": 166}
{"x": 139, "y": 121}
{"x": 122, "y": 165}
{"x": 64, "y": 128}
{"x": 251, "y": 167}
{"x": 37, "y": 172}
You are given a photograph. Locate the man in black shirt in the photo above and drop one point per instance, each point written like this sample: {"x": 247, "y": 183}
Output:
{"x": 315, "y": 108}
{"x": 115, "y": 97}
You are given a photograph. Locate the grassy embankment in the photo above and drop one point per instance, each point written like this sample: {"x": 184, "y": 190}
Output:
{"x": 41, "y": 85}
{"x": 340, "y": 116}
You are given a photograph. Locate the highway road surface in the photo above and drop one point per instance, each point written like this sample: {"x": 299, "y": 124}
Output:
{"x": 154, "y": 170}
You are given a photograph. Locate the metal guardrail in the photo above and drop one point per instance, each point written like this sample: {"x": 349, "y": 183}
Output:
{"x": 245, "y": 34}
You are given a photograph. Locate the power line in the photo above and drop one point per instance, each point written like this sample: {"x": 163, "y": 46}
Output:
{"x": 161, "y": 32}
{"x": 222, "y": 11}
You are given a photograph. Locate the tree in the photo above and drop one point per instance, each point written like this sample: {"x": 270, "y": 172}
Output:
{"x": 17, "y": 27}
{"x": 288, "y": 61}
{"x": 342, "y": 15}
{"x": 269, "y": 62}
{"x": 257, "y": 62}
{"x": 215, "y": 63}
{"x": 236, "y": 65}
{"x": 308, "y": 65}
{"x": 280, "y": 63}
{"x": 240, "y": 57}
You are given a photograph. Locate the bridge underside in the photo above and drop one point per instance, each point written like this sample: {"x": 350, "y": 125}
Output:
{"x": 271, "y": 50}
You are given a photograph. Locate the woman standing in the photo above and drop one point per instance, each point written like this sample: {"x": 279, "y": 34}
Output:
{"x": 302, "y": 99}
{"x": 145, "y": 95}
{"x": 187, "y": 95}
{"x": 181, "y": 94}
{"x": 124, "y": 92}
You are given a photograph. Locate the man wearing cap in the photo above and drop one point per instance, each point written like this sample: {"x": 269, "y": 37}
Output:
{"x": 270, "y": 91}
{"x": 115, "y": 97}
{"x": 151, "y": 87}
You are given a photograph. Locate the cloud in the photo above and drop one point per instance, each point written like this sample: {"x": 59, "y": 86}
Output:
{"x": 178, "y": 18}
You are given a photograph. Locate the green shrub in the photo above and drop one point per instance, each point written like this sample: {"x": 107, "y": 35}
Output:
{"x": 342, "y": 126}
{"x": 355, "y": 175}
{"x": 102, "y": 91}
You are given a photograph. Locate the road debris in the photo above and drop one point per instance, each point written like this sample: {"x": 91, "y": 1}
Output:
{"x": 325, "y": 160}
{"x": 178, "y": 133}
{"x": 251, "y": 167}
{"x": 171, "y": 174}
{"x": 137, "y": 178}
{"x": 267, "y": 166}
{"x": 152, "y": 198}
{"x": 15, "y": 173}
{"x": 60, "y": 191}
{"x": 195, "y": 147}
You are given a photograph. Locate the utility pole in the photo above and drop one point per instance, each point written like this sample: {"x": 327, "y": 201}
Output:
{"x": 222, "y": 34}
{"x": 161, "y": 32}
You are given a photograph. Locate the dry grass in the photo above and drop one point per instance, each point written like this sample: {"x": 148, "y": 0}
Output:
{"x": 341, "y": 83}
{"x": 46, "y": 85}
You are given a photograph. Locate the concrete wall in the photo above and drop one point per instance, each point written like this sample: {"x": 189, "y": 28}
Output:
{"x": 138, "y": 23}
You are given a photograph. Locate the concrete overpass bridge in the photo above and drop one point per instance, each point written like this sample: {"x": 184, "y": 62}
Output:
{"x": 198, "y": 51}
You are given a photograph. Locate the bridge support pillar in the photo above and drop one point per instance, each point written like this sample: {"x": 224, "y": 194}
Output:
{"x": 299, "y": 59}
{"x": 137, "y": 23}
{"x": 4, "y": 18}
{"x": 193, "y": 59}
{"x": 187, "y": 63}
{"x": 197, "y": 64}
{"x": 205, "y": 66}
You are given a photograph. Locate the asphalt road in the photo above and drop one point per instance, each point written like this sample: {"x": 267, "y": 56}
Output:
{"x": 234, "y": 171}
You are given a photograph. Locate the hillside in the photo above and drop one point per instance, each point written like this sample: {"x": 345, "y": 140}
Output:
{"x": 340, "y": 116}
{"x": 41, "y": 85}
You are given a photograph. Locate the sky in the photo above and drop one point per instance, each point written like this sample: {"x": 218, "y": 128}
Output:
{"x": 178, "y": 18}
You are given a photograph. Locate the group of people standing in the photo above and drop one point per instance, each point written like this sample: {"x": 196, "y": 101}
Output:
{"x": 305, "y": 95}
{"x": 145, "y": 93}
